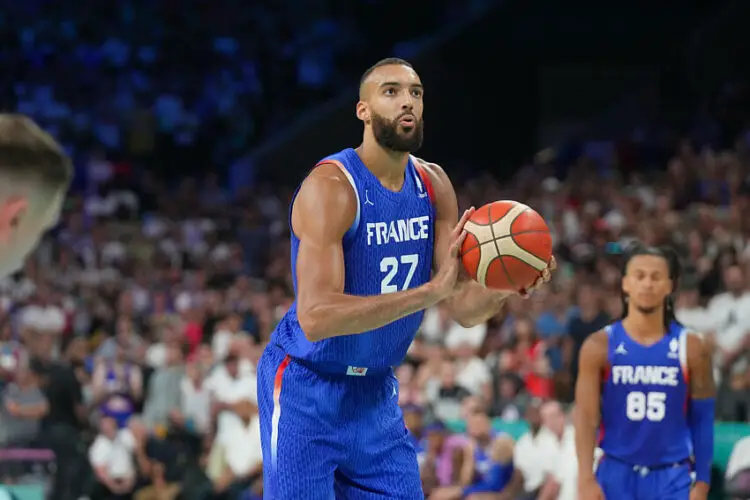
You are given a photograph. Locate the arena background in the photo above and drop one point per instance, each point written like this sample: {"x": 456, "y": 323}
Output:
{"x": 191, "y": 123}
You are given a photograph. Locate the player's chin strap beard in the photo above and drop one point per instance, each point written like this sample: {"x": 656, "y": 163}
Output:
{"x": 667, "y": 306}
{"x": 647, "y": 310}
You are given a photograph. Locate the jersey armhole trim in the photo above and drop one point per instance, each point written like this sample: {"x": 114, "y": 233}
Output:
{"x": 355, "y": 224}
{"x": 683, "y": 354}
{"x": 425, "y": 177}
{"x": 609, "y": 331}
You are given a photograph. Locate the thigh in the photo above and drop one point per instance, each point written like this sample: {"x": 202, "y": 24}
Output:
{"x": 382, "y": 462}
{"x": 396, "y": 477}
{"x": 300, "y": 449}
{"x": 617, "y": 480}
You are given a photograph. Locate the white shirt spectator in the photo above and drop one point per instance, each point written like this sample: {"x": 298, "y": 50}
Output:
{"x": 20, "y": 289}
{"x": 49, "y": 319}
{"x": 566, "y": 472}
{"x": 696, "y": 318}
{"x": 220, "y": 253}
{"x": 195, "y": 403}
{"x": 154, "y": 227}
{"x": 457, "y": 335}
{"x": 731, "y": 315}
{"x": 183, "y": 302}
{"x": 97, "y": 206}
{"x": 231, "y": 390}
{"x": 472, "y": 374}
{"x": 113, "y": 252}
{"x": 739, "y": 458}
{"x": 432, "y": 328}
{"x": 534, "y": 456}
{"x": 156, "y": 355}
{"x": 241, "y": 445}
{"x": 116, "y": 455}
{"x": 141, "y": 298}
{"x": 221, "y": 342}
{"x": 226, "y": 389}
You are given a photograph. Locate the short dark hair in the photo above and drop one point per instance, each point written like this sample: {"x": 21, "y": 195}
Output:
{"x": 27, "y": 151}
{"x": 388, "y": 61}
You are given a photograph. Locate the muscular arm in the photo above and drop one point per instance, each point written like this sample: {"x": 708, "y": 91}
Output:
{"x": 323, "y": 211}
{"x": 702, "y": 407}
{"x": 592, "y": 361}
{"x": 471, "y": 303}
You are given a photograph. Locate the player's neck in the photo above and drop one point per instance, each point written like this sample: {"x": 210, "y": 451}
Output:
{"x": 388, "y": 166}
{"x": 644, "y": 327}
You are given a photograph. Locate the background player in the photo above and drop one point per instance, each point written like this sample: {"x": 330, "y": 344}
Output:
{"x": 366, "y": 227}
{"x": 633, "y": 387}
{"x": 35, "y": 174}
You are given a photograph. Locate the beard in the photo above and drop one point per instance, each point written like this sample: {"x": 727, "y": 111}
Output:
{"x": 648, "y": 310}
{"x": 390, "y": 135}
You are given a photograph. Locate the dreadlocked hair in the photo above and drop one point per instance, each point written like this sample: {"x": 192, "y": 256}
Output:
{"x": 675, "y": 270}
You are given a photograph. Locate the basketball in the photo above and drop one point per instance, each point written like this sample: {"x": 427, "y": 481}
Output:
{"x": 507, "y": 246}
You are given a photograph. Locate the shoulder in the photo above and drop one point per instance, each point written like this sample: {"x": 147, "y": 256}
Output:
{"x": 444, "y": 195}
{"x": 695, "y": 345}
{"x": 595, "y": 347}
{"x": 331, "y": 180}
{"x": 439, "y": 179}
{"x": 328, "y": 193}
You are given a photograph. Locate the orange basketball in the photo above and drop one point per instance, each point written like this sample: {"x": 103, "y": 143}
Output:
{"x": 507, "y": 247}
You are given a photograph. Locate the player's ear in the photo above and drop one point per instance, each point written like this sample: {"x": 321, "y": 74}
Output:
{"x": 11, "y": 213}
{"x": 363, "y": 111}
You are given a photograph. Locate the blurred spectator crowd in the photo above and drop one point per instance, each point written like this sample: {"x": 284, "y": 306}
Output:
{"x": 128, "y": 343}
{"x": 198, "y": 83}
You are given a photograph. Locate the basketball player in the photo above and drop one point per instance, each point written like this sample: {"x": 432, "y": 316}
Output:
{"x": 35, "y": 173}
{"x": 369, "y": 227}
{"x": 646, "y": 385}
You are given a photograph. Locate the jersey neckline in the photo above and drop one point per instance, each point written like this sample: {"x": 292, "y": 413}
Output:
{"x": 395, "y": 195}
{"x": 626, "y": 333}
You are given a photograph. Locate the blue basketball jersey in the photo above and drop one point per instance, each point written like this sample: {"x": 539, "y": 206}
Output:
{"x": 644, "y": 399}
{"x": 482, "y": 460}
{"x": 387, "y": 249}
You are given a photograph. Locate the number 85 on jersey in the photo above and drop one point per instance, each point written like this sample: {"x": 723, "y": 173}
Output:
{"x": 650, "y": 406}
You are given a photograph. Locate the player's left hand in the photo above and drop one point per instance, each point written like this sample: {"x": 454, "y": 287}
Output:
{"x": 541, "y": 280}
{"x": 699, "y": 491}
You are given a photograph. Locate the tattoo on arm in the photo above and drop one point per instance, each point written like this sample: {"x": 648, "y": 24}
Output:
{"x": 700, "y": 368}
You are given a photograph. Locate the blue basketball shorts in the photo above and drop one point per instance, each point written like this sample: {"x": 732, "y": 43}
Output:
{"x": 622, "y": 481}
{"x": 328, "y": 435}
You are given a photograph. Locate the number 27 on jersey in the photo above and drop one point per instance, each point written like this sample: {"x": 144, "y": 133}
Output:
{"x": 390, "y": 266}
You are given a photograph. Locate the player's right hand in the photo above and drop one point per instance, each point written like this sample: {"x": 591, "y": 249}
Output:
{"x": 445, "y": 279}
{"x": 589, "y": 489}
